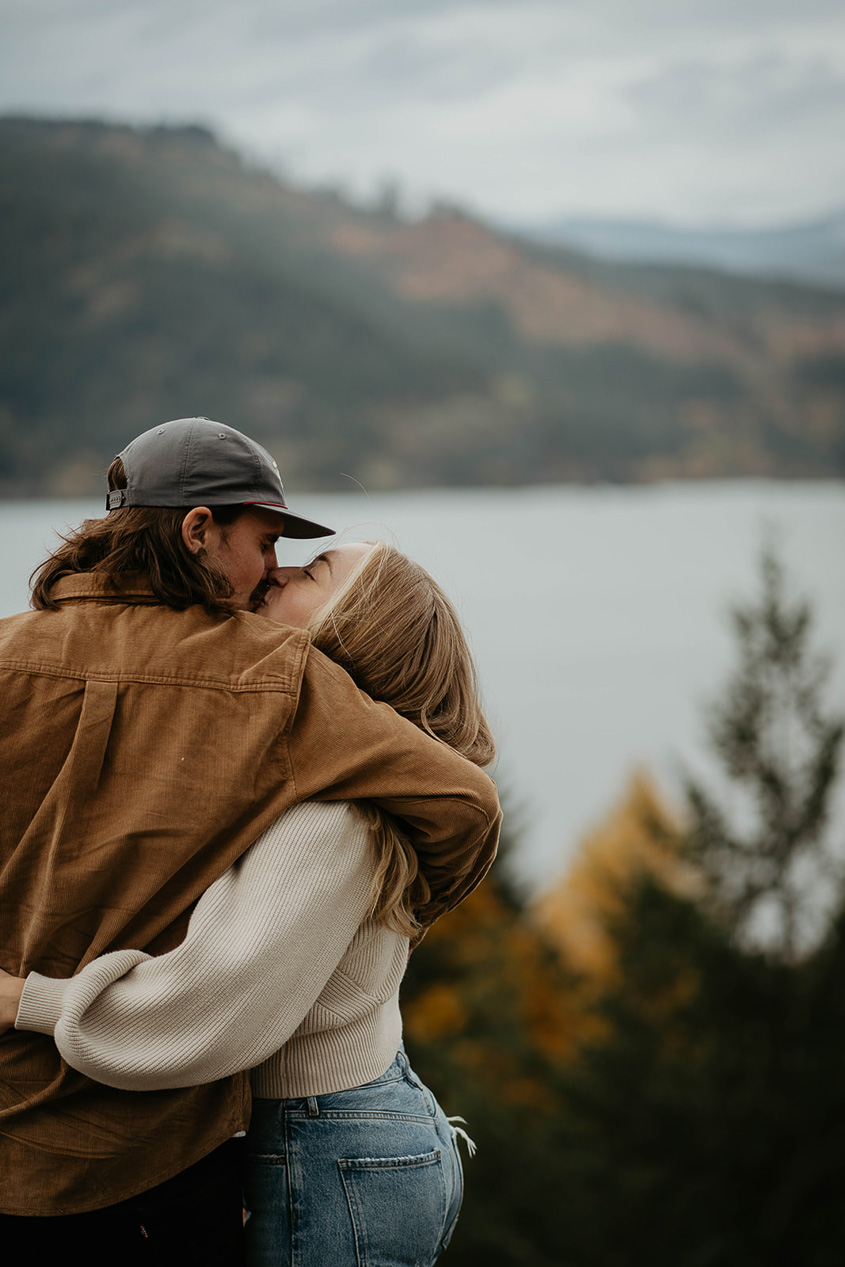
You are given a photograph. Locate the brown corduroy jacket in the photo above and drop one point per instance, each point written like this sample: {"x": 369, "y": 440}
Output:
{"x": 142, "y": 750}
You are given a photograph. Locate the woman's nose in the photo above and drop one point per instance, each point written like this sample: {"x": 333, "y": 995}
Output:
{"x": 281, "y": 576}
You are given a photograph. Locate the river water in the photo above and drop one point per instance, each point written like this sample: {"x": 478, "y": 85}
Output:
{"x": 598, "y": 616}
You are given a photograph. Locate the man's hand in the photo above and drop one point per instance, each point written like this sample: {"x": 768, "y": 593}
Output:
{"x": 11, "y": 989}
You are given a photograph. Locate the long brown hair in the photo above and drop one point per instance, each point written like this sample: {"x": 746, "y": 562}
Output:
{"x": 145, "y": 540}
{"x": 395, "y": 632}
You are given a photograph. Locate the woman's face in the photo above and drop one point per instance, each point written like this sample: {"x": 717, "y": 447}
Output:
{"x": 297, "y": 594}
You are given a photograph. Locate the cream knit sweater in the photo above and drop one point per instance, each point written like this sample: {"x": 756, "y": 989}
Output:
{"x": 277, "y": 972}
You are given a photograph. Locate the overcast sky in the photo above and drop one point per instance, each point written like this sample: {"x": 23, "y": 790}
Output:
{"x": 698, "y": 111}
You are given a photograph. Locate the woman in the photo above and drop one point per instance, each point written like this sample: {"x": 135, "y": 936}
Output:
{"x": 293, "y": 960}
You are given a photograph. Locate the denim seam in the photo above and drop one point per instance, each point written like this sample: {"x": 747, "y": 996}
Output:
{"x": 357, "y": 1115}
{"x": 390, "y": 1163}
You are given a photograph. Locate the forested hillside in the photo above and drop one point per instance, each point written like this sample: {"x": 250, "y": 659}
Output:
{"x": 148, "y": 274}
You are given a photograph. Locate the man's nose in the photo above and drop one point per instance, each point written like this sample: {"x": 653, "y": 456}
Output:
{"x": 270, "y": 559}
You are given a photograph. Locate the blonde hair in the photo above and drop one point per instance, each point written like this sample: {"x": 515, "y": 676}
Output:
{"x": 396, "y": 633}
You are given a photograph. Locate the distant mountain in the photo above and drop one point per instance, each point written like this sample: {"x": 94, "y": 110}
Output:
{"x": 150, "y": 273}
{"x": 814, "y": 251}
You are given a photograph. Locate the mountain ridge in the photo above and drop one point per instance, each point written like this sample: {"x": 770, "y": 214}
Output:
{"x": 151, "y": 273}
{"x": 810, "y": 251}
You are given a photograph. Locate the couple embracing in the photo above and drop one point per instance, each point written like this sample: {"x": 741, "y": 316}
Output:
{"x": 234, "y": 795}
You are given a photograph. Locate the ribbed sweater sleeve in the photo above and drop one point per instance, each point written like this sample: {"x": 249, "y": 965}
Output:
{"x": 261, "y": 944}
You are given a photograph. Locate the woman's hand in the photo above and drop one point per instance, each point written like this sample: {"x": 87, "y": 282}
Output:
{"x": 11, "y": 989}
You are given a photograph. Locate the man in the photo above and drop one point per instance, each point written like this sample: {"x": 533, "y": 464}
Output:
{"x": 150, "y": 729}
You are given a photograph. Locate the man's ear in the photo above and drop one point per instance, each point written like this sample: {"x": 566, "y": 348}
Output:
{"x": 196, "y": 529}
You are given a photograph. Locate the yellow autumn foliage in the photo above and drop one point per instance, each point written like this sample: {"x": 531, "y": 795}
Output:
{"x": 500, "y": 973}
{"x": 437, "y": 1012}
{"x": 641, "y": 833}
{"x": 505, "y": 990}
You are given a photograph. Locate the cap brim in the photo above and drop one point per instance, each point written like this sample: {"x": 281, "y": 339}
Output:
{"x": 295, "y": 525}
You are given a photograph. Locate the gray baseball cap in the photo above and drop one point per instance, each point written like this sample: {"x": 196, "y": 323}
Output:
{"x": 198, "y": 462}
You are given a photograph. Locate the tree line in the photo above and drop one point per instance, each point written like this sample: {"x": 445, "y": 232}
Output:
{"x": 649, "y": 1057}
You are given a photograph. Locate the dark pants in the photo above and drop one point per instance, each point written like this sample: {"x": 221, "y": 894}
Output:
{"x": 194, "y": 1219}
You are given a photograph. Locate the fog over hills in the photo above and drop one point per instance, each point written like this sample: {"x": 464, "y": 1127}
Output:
{"x": 812, "y": 251}
{"x": 149, "y": 273}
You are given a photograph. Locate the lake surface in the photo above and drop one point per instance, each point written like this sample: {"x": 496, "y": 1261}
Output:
{"x": 598, "y": 616}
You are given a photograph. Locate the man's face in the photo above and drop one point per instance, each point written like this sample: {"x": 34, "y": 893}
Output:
{"x": 246, "y": 552}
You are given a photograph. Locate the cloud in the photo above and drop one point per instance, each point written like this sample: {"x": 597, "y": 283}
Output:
{"x": 749, "y": 98}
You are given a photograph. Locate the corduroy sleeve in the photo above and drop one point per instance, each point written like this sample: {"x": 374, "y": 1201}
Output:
{"x": 345, "y": 746}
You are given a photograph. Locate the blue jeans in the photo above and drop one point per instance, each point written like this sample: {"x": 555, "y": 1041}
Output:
{"x": 368, "y": 1177}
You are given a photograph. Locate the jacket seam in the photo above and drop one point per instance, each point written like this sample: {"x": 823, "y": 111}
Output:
{"x": 454, "y": 798}
{"x": 295, "y": 689}
{"x": 219, "y": 684}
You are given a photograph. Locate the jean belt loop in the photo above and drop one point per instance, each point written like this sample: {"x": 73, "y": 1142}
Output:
{"x": 313, "y": 1107}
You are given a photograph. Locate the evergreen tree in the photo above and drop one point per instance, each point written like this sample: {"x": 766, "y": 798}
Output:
{"x": 769, "y": 866}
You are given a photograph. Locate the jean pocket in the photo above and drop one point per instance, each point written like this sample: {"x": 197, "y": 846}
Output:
{"x": 398, "y": 1207}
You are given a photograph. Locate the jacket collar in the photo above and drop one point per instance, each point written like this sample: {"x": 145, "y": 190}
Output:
{"x": 133, "y": 587}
